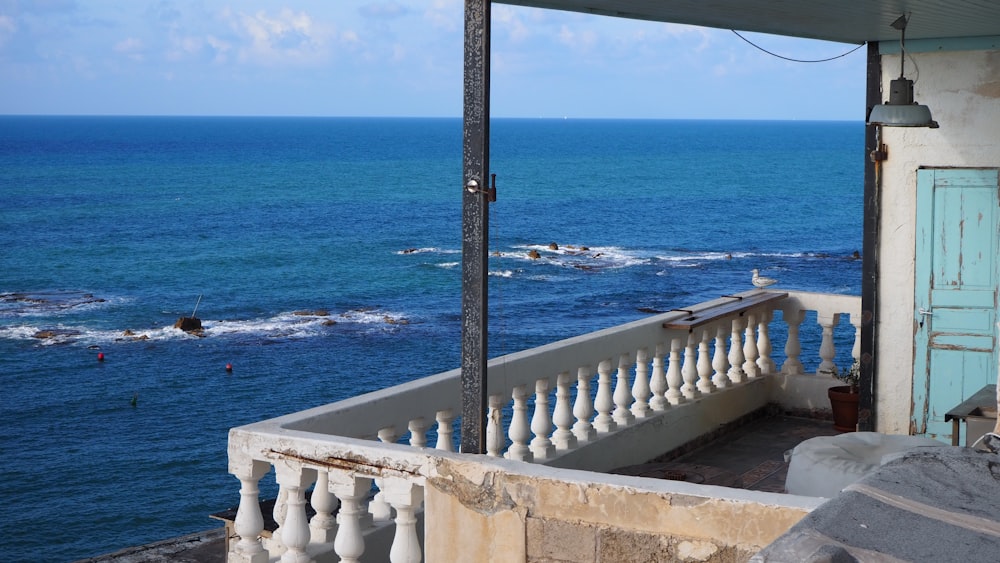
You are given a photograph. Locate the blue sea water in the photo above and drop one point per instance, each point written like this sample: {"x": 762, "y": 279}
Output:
{"x": 282, "y": 225}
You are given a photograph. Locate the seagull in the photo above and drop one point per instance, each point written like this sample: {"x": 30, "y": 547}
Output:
{"x": 761, "y": 281}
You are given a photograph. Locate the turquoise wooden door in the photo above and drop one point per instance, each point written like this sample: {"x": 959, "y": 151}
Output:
{"x": 955, "y": 306}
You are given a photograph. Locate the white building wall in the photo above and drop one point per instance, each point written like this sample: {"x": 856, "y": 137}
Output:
{"x": 962, "y": 89}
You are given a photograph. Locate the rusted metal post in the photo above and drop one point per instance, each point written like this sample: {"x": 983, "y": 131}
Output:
{"x": 870, "y": 248}
{"x": 475, "y": 224}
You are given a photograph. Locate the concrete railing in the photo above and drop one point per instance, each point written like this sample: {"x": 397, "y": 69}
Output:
{"x": 660, "y": 382}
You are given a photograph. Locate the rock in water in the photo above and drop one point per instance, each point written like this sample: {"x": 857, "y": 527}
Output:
{"x": 188, "y": 324}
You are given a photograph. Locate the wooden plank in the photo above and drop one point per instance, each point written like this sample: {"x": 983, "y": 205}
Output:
{"x": 739, "y": 305}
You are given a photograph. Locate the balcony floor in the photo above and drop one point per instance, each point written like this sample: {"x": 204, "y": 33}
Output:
{"x": 751, "y": 456}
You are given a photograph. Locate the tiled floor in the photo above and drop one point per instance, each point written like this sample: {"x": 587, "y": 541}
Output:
{"x": 750, "y": 457}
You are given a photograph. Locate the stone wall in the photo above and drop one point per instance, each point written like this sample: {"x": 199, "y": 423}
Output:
{"x": 546, "y": 515}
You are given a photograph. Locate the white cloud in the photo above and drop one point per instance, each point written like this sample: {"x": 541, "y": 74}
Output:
{"x": 285, "y": 38}
{"x": 220, "y": 47}
{"x": 131, "y": 48}
{"x": 7, "y": 28}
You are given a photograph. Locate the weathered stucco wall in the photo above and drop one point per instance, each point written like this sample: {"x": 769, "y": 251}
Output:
{"x": 962, "y": 89}
{"x": 492, "y": 512}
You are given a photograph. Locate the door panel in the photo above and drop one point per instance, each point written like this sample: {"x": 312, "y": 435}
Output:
{"x": 955, "y": 304}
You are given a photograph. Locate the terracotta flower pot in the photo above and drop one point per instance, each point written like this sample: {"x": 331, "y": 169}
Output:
{"x": 844, "y": 405}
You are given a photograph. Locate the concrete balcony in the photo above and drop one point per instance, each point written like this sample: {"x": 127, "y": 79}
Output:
{"x": 386, "y": 483}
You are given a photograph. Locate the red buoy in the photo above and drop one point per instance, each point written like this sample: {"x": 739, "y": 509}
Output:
{"x": 229, "y": 367}
{"x": 100, "y": 356}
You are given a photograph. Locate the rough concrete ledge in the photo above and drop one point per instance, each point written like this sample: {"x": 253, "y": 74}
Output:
{"x": 202, "y": 547}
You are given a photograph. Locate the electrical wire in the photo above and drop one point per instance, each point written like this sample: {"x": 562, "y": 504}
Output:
{"x": 795, "y": 60}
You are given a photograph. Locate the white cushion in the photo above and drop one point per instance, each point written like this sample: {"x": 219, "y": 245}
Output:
{"x": 823, "y": 466}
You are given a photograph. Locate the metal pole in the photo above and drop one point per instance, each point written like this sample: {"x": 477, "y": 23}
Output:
{"x": 475, "y": 224}
{"x": 870, "y": 247}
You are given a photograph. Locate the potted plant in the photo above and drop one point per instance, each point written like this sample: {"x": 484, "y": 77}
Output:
{"x": 844, "y": 399}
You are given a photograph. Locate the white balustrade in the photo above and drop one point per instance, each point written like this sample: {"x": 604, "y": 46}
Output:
{"x": 827, "y": 350}
{"x": 520, "y": 432}
{"x": 720, "y": 361}
{"x": 793, "y": 317}
{"x": 640, "y": 387}
{"x": 736, "y": 358}
{"x": 764, "y": 360}
{"x": 351, "y": 490}
{"x": 563, "y": 438}
{"x": 658, "y": 382}
{"x": 583, "y": 407}
{"x": 674, "y": 377}
{"x": 672, "y": 368}
{"x": 541, "y": 423}
{"x": 323, "y": 525}
{"x": 750, "y": 351}
{"x": 249, "y": 522}
{"x": 444, "y": 420}
{"x": 494, "y": 426}
{"x": 378, "y": 507}
{"x": 704, "y": 364}
{"x": 604, "y": 422}
{"x": 294, "y": 479}
{"x": 689, "y": 371}
{"x": 405, "y": 497}
{"x": 623, "y": 393}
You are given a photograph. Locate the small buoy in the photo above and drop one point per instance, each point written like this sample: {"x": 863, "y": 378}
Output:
{"x": 229, "y": 367}
{"x": 135, "y": 399}
{"x": 100, "y": 356}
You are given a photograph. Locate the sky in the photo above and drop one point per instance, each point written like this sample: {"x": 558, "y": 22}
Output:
{"x": 400, "y": 58}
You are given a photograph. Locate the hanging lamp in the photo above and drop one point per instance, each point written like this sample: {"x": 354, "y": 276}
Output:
{"x": 901, "y": 110}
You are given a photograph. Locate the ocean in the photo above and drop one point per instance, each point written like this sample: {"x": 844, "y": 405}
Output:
{"x": 323, "y": 257}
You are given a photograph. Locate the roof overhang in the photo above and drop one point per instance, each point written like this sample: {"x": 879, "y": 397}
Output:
{"x": 845, "y": 21}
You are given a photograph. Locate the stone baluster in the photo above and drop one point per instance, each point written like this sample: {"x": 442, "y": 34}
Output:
{"x": 674, "y": 378}
{"x": 704, "y": 363}
{"x": 856, "y": 349}
{"x": 736, "y": 373}
{"x": 658, "y": 382}
{"x": 278, "y": 515}
{"x": 689, "y": 371}
{"x": 323, "y": 526}
{"x": 494, "y": 426}
{"x": 378, "y": 507}
{"x": 793, "y": 317}
{"x": 352, "y": 491}
{"x": 583, "y": 406}
{"x": 640, "y": 387}
{"x": 418, "y": 432}
{"x": 562, "y": 415}
{"x": 750, "y": 348}
{"x": 520, "y": 431}
{"x": 541, "y": 423}
{"x": 764, "y": 361}
{"x": 720, "y": 362}
{"x": 623, "y": 393}
{"x": 405, "y": 497}
{"x": 294, "y": 479}
{"x": 603, "y": 422}
{"x": 445, "y": 419}
{"x": 827, "y": 350}
{"x": 249, "y": 522}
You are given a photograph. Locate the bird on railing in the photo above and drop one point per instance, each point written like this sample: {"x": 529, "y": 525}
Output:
{"x": 761, "y": 281}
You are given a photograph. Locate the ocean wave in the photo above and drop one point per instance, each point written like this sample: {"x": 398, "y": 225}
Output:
{"x": 428, "y": 250}
{"x": 581, "y": 257}
{"x": 287, "y": 325}
{"x": 52, "y": 303}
